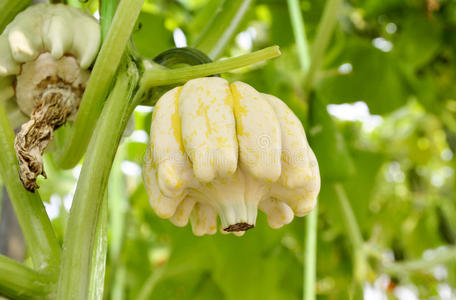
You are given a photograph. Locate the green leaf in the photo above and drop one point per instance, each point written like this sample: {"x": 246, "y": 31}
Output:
{"x": 152, "y": 37}
{"x": 251, "y": 267}
{"x": 374, "y": 7}
{"x": 374, "y": 79}
{"x": 328, "y": 144}
{"x": 204, "y": 16}
{"x": 360, "y": 186}
{"x": 281, "y": 31}
{"x": 417, "y": 41}
{"x": 190, "y": 285}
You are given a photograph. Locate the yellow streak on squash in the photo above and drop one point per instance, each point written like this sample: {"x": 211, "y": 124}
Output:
{"x": 239, "y": 110}
{"x": 175, "y": 121}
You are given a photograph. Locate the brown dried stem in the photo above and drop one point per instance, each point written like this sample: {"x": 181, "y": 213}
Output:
{"x": 56, "y": 104}
{"x": 238, "y": 227}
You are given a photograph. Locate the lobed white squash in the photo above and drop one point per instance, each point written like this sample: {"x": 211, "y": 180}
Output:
{"x": 220, "y": 149}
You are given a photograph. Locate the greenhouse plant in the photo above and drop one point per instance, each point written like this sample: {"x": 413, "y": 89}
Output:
{"x": 227, "y": 149}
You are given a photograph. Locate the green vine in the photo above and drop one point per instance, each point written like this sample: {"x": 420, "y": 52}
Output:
{"x": 74, "y": 278}
{"x": 97, "y": 276}
{"x": 161, "y": 76}
{"x": 20, "y": 282}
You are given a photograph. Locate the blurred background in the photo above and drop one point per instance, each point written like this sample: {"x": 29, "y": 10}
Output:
{"x": 381, "y": 117}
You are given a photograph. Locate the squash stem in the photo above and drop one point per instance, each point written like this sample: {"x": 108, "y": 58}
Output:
{"x": 310, "y": 255}
{"x": 20, "y": 282}
{"x": 100, "y": 251}
{"x": 88, "y": 200}
{"x": 159, "y": 77}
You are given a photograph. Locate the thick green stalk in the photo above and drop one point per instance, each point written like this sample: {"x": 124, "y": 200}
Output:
{"x": 20, "y": 282}
{"x": 222, "y": 27}
{"x": 81, "y": 229}
{"x": 98, "y": 272}
{"x": 299, "y": 31}
{"x": 36, "y": 226}
{"x": 100, "y": 82}
{"x": 353, "y": 233}
{"x": 9, "y": 9}
{"x": 99, "y": 255}
{"x": 310, "y": 255}
{"x": 159, "y": 77}
{"x": 324, "y": 33}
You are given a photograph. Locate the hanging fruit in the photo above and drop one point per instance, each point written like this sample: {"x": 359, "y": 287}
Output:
{"x": 45, "y": 53}
{"x": 221, "y": 149}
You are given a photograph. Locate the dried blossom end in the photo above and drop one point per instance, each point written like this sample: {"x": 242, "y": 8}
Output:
{"x": 57, "y": 103}
{"x": 238, "y": 227}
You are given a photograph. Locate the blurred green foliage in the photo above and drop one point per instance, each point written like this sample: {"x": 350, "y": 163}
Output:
{"x": 395, "y": 159}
